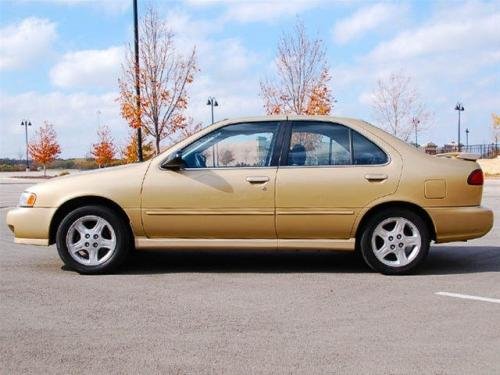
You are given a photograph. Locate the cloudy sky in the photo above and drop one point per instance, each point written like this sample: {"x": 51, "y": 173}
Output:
{"x": 60, "y": 59}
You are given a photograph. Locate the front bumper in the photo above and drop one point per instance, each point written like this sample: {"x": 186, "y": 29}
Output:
{"x": 460, "y": 223}
{"x": 30, "y": 225}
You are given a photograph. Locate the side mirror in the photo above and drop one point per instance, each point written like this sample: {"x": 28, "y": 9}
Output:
{"x": 175, "y": 162}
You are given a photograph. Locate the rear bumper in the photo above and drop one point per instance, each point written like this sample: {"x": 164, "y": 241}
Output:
{"x": 460, "y": 223}
{"x": 30, "y": 225}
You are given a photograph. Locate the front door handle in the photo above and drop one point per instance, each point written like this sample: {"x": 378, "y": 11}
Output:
{"x": 376, "y": 177}
{"x": 257, "y": 179}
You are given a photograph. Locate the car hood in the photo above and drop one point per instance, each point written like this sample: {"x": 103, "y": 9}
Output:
{"x": 120, "y": 184}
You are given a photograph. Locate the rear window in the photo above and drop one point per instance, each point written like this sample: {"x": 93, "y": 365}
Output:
{"x": 365, "y": 152}
{"x": 322, "y": 143}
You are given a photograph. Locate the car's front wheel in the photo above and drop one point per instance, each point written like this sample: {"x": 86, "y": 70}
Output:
{"x": 93, "y": 239}
{"x": 395, "y": 242}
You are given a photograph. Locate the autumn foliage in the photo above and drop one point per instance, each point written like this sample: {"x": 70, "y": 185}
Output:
{"x": 164, "y": 77}
{"x": 129, "y": 152}
{"x": 319, "y": 101}
{"x": 104, "y": 150}
{"x": 301, "y": 84}
{"x": 44, "y": 147}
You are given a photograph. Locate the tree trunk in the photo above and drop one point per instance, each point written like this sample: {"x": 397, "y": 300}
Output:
{"x": 157, "y": 145}
{"x": 44, "y": 170}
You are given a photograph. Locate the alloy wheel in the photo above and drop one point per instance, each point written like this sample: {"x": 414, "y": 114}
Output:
{"x": 91, "y": 240}
{"x": 396, "y": 241}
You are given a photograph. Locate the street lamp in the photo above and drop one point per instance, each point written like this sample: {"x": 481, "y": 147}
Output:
{"x": 26, "y": 123}
{"x": 467, "y": 139}
{"x": 140, "y": 156}
{"x": 415, "y": 121}
{"x": 212, "y": 102}
{"x": 460, "y": 108}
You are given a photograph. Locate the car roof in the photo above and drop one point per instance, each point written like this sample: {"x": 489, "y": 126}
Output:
{"x": 290, "y": 118}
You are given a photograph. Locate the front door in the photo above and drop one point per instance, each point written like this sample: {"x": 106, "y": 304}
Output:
{"x": 226, "y": 189}
{"x": 328, "y": 173}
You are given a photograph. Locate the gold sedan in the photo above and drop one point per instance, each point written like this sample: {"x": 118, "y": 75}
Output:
{"x": 263, "y": 183}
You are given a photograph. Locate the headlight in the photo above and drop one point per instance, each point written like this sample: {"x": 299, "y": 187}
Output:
{"x": 27, "y": 199}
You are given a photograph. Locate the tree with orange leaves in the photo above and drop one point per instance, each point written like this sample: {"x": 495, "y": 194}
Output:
{"x": 104, "y": 150}
{"x": 129, "y": 152}
{"x": 164, "y": 76}
{"x": 44, "y": 147}
{"x": 302, "y": 83}
{"x": 319, "y": 102}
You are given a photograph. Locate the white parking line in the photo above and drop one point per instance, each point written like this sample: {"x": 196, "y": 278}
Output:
{"x": 466, "y": 296}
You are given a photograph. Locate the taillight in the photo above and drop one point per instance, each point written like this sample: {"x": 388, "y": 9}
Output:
{"x": 476, "y": 177}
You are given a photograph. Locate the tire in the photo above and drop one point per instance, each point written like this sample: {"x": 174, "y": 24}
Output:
{"x": 93, "y": 240}
{"x": 395, "y": 242}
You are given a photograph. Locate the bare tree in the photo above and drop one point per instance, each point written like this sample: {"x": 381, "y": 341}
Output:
{"x": 397, "y": 106}
{"x": 164, "y": 76}
{"x": 301, "y": 85}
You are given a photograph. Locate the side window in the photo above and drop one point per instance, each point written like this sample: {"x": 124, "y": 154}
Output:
{"x": 316, "y": 143}
{"x": 365, "y": 152}
{"x": 238, "y": 145}
{"x": 321, "y": 143}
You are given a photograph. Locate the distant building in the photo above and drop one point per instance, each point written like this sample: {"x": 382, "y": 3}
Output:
{"x": 450, "y": 147}
{"x": 430, "y": 148}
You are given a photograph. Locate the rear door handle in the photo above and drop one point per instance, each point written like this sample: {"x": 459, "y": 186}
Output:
{"x": 257, "y": 179}
{"x": 376, "y": 177}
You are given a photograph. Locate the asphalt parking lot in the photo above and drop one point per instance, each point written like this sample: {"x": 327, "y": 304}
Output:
{"x": 250, "y": 313}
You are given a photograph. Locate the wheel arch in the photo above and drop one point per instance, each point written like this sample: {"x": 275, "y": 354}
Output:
{"x": 87, "y": 200}
{"x": 396, "y": 204}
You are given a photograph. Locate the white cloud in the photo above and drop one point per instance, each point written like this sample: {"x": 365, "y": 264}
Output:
{"x": 265, "y": 11}
{"x": 366, "y": 19}
{"x": 451, "y": 46}
{"x": 108, "y": 6}
{"x": 443, "y": 35}
{"x": 74, "y": 117}
{"x": 257, "y": 11}
{"x": 228, "y": 70}
{"x": 26, "y": 42}
{"x": 88, "y": 68}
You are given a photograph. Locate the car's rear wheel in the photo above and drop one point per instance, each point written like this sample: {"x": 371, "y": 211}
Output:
{"x": 395, "y": 242}
{"x": 93, "y": 239}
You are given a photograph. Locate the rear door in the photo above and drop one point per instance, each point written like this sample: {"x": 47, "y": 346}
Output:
{"x": 328, "y": 173}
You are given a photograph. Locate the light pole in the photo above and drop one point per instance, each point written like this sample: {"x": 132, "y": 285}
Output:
{"x": 137, "y": 87}
{"x": 467, "y": 139}
{"x": 460, "y": 108}
{"x": 26, "y": 123}
{"x": 212, "y": 102}
{"x": 415, "y": 121}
